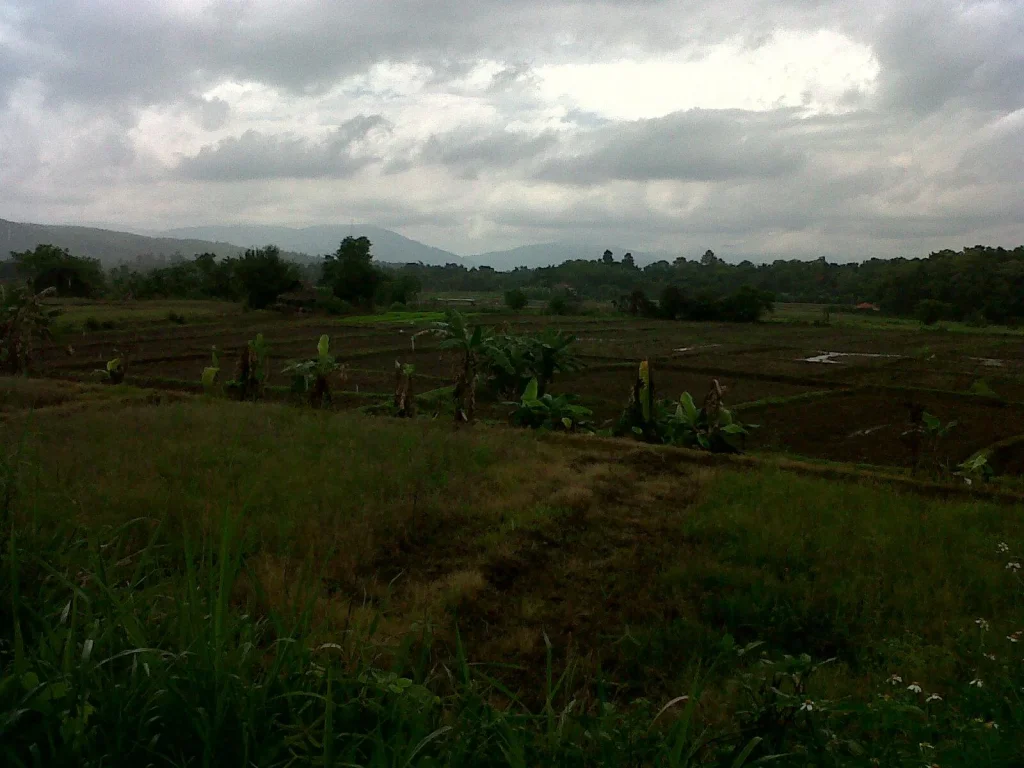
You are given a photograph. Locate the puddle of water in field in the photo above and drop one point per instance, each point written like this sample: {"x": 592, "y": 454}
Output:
{"x": 694, "y": 349}
{"x": 829, "y": 357}
{"x": 867, "y": 431}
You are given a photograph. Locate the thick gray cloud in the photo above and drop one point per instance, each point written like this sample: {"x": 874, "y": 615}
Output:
{"x": 935, "y": 52}
{"x": 697, "y": 145}
{"x": 450, "y": 117}
{"x": 255, "y": 155}
{"x": 472, "y": 152}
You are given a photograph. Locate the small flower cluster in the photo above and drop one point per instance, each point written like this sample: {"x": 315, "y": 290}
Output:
{"x": 983, "y": 624}
{"x": 914, "y": 687}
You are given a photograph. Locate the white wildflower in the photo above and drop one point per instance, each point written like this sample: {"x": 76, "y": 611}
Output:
{"x": 895, "y": 680}
{"x": 933, "y": 697}
{"x": 1015, "y": 637}
{"x": 925, "y": 745}
{"x": 914, "y": 688}
{"x": 1013, "y": 566}
{"x": 977, "y": 682}
{"x": 807, "y": 706}
{"x": 1003, "y": 548}
{"x": 990, "y": 656}
{"x": 983, "y": 623}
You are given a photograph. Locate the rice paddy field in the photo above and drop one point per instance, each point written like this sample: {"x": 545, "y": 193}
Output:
{"x": 838, "y": 393}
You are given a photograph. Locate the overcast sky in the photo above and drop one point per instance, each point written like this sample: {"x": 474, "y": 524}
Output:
{"x": 757, "y": 128}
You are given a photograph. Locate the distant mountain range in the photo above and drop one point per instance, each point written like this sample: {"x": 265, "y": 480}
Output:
{"x": 387, "y": 245}
{"x": 112, "y": 247}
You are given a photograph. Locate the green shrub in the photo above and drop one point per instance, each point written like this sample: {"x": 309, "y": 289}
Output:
{"x": 332, "y": 305}
{"x": 176, "y": 317}
{"x": 92, "y": 324}
{"x": 547, "y": 412}
{"x": 516, "y": 299}
{"x": 930, "y": 311}
{"x": 565, "y": 303}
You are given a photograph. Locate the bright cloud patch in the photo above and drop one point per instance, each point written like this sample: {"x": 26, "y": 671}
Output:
{"x": 821, "y": 72}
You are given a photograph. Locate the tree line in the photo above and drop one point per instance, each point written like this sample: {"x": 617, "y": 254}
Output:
{"x": 976, "y": 283}
{"x": 347, "y": 277}
{"x": 979, "y": 283}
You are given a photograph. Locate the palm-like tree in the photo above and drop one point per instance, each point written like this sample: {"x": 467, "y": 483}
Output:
{"x": 551, "y": 350}
{"x": 470, "y": 343}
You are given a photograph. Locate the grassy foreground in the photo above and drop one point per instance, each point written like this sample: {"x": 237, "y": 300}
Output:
{"x": 213, "y": 583}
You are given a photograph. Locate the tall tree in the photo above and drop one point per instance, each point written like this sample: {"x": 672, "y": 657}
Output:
{"x": 608, "y": 257}
{"x": 48, "y": 266}
{"x": 264, "y": 275}
{"x": 349, "y": 271}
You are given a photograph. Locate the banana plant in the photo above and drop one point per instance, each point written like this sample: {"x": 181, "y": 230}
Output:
{"x": 312, "y": 377}
{"x": 24, "y": 321}
{"x": 405, "y": 405}
{"x": 210, "y": 374}
{"x": 710, "y": 429}
{"x": 640, "y": 415}
{"x": 551, "y": 354}
{"x": 253, "y": 370}
{"x": 510, "y": 361}
{"x": 471, "y": 343}
{"x": 114, "y": 370}
{"x": 539, "y": 411}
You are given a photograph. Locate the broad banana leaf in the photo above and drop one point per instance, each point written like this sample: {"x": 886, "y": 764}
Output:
{"x": 210, "y": 377}
{"x": 530, "y": 393}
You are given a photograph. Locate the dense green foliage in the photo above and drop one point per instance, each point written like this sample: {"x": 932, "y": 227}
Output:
{"x": 257, "y": 277}
{"x": 351, "y": 275}
{"x": 711, "y": 427}
{"x": 48, "y": 266}
{"x": 982, "y": 281}
{"x": 546, "y": 411}
{"x": 977, "y": 284}
{"x": 510, "y": 361}
{"x": 263, "y": 275}
{"x": 516, "y": 299}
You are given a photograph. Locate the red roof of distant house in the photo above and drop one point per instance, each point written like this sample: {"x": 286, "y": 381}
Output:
{"x": 867, "y": 305}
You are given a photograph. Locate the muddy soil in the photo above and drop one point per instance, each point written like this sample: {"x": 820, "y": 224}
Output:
{"x": 867, "y": 428}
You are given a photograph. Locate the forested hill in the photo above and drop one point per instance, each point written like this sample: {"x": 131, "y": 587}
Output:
{"x": 109, "y": 247}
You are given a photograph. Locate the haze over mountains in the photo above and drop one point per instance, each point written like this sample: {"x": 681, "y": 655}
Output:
{"x": 316, "y": 241}
{"x": 114, "y": 247}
